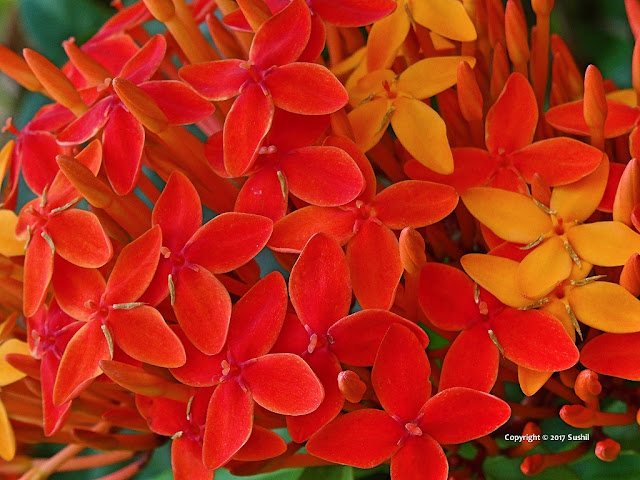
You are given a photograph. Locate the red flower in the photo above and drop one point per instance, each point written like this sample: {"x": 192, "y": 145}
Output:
{"x": 413, "y": 424}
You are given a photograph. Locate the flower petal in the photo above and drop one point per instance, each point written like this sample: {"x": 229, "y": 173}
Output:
{"x": 319, "y": 285}
{"x": 134, "y": 268}
{"x": 143, "y": 334}
{"x": 385, "y": 38}
{"x": 75, "y": 286}
{"x": 180, "y": 103}
{"x": 91, "y": 249}
{"x": 291, "y": 233}
{"x": 186, "y": 459}
{"x": 607, "y": 244}
{"x": 306, "y": 88}
{"x": 369, "y": 122}
{"x": 432, "y": 75}
{"x": 246, "y": 125}
{"x": 472, "y": 361}
{"x": 229, "y": 77}
{"x": 374, "y": 283}
{"x": 228, "y": 241}
{"x": 569, "y": 118}
{"x": 283, "y": 383}
{"x": 531, "y": 380}
{"x": 202, "y": 304}
{"x": 459, "y": 414}
{"x": 446, "y": 296}
{"x": 229, "y": 424}
{"x": 38, "y": 268}
{"x": 546, "y": 266}
{"x": 446, "y": 18}
{"x": 363, "y": 439}
{"x": 535, "y": 340}
{"x": 7, "y": 437}
{"x": 400, "y": 375}
{"x": 262, "y": 444}
{"x": 423, "y": 133}
{"x": 325, "y": 176}
{"x": 413, "y": 203}
{"x": 614, "y": 355}
{"x": 512, "y": 216}
{"x": 497, "y": 275}
{"x": 262, "y": 194}
{"x": 420, "y": 457}
{"x": 352, "y": 13}
{"x": 143, "y": 64}
{"x": 356, "y": 338}
{"x": 606, "y": 306}
{"x": 80, "y": 362}
{"x": 257, "y": 318}
{"x": 511, "y": 121}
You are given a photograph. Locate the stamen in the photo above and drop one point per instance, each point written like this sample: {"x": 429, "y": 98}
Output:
{"x": 574, "y": 320}
{"x": 494, "y": 339}
{"x": 535, "y": 243}
{"x": 572, "y": 254}
{"x": 588, "y": 280}
{"x": 536, "y": 304}
{"x": 107, "y": 334}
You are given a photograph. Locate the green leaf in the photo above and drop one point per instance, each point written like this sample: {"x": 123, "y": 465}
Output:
{"x": 48, "y": 23}
{"x": 505, "y": 468}
{"x": 333, "y": 472}
{"x": 626, "y": 466}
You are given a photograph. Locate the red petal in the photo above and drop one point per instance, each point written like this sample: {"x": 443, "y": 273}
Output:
{"x": 446, "y": 296}
{"x": 400, "y": 375}
{"x": 358, "y": 336}
{"x": 177, "y": 211}
{"x": 557, "y": 160}
{"x": 143, "y": 64}
{"x": 413, "y": 203}
{"x": 180, "y": 104}
{"x": 134, "y": 269}
{"x": 283, "y": 383}
{"x": 472, "y": 362}
{"x": 80, "y": 362}
{"x": 617, "y": 355}
{"x": 535, "y": 340}
{"x": 282, "y": 38}
{"x": 421, "y": 457}
{"x": 199, "y": 370}
{"x": 246, "y": 125}
{"x": 290, "y": 130}
{"x": 38, "y": 152}
{"x": 262, "y": 444}
{"x": 352, "y": 13}
{"x": 143, "y": 334}
{"x": 363, "y": 439}
{"x": 512, "y": 120}
{"x": 472, "y": 167}
{"x": 325, "y": 176}
{"x": 53, "y": 417}
{"x": 91, "y": 249}
{"x": 38, "y": 267}
{"x": 202, "y": 304}
{"x": 262, "y": 195}
{"x": 186, "y": 460}
{"x": 319, "y": 285}
{"x": 316, "y": 43}
{"x": 306, "y": 88}
{"x": 325, "y": 365}
{"x": 122, "y": 142}
{"x": 85, "y": 127}
{"x": 291, "y": 233}
{"x": 460, "y": 414}
{"x": 218, "y": 80}
{"x": 374, "y": 283}
{"x": 229, "y": 424}
{"x": 361, "y": 160}
{"x": 257, "y": 318}
{"x": 74, "y": 286}
{"x": 569, "y": 118}
{"x": 235, "y": 237}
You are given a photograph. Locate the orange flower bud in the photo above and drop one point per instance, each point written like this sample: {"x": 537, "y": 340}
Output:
{"x": 628, "y": 193}
{"x": 542, "y": 7}
{"x": 141, "y": 105}
{"x": 162, "y": 10}
{"x": 469, "y": 94}
{"x": 500, "y": 70}
{"x": 587, "y": 387}
{"x": 516, "y": 35}
{"x": 412, "y": 248}
{"x": 351, "y": 387}
{"x": 595, "y": 103}
{"x": 90, "y": 69}
{"x": 630, "y": 276}
{"x": 15, "y": 67}
{"x": 607, "y": 450}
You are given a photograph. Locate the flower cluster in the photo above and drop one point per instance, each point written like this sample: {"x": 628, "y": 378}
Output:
{"x": 441, "y": 238}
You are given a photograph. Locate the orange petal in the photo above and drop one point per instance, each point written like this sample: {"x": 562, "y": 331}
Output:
{"x": 445, "y": 17}
{"x": 607, "y": 307}
{"x": 512, "y": 216}
{"x": 9, "y": 374}
{"x": 423, "y": 133}
{"x": 497, "y": 275}
{"x": 432, "y": 75}
{"x": 607, "y": 244}
{"x": 371, "y": 83}
{"x": 578, "y": 200}
{"x": 369, "y": 122}
{"x": 7, "y": 438}
{"x": 532, "y": 380}
{"x": 385, "y": 38}
{"x": 628, "y": 193}
{"x": 10, "y": 246}
{"x": 543, "y": 268}
{"x": 558, "y": 309}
